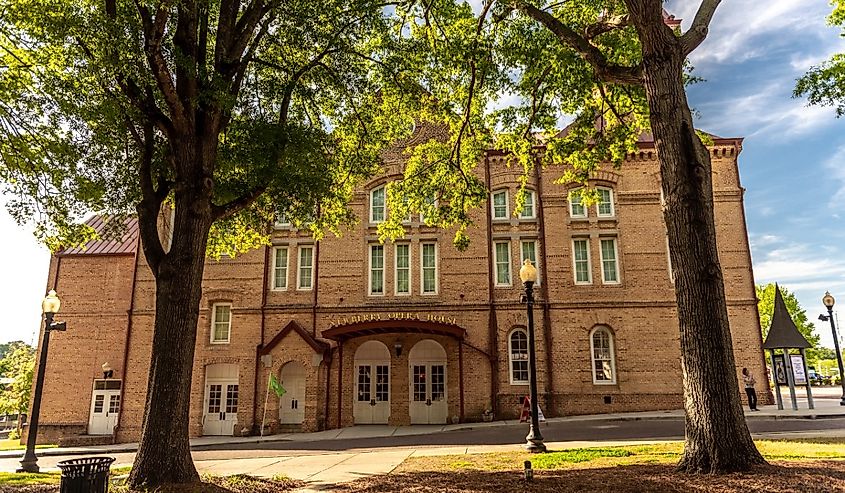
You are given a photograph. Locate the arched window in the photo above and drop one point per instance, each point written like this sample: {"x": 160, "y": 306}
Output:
{"x": 518, "y": 356}
{"x": 604, "y": 362}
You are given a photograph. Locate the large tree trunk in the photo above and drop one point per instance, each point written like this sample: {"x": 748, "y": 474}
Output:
{"x": 717, "y": 437}
{"x": 164, "y": 454}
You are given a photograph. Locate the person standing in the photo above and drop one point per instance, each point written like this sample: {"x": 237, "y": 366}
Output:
{"x": 749, "y": 381}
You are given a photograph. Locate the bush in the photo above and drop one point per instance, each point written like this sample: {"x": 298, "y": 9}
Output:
{"x": 14, "y": 435}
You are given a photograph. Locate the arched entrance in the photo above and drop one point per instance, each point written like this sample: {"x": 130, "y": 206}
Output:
{"x": 371, "y": 388}
{"x": 428, "y": 403}
{"x": 220, "y": 405}
{"x": 292, "y": 402}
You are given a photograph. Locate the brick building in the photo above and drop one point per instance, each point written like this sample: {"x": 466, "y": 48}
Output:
{"x": 411, "y": 331}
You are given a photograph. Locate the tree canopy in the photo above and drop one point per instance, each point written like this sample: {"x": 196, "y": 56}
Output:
{"x": 824, "y": 84}
{"x": 18, "y": 364}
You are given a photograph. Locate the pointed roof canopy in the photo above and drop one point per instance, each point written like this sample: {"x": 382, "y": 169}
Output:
{"x": 783, "y": 333}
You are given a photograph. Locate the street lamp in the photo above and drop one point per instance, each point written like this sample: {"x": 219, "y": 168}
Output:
{"x": 828, "y": 302}
{"x": 50, "y": 306}
{"x": 534, "y": 440}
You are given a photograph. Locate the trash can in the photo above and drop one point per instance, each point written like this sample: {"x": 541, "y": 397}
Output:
{"x": 85, "y": 475}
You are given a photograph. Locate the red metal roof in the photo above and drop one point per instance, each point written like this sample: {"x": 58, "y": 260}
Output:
{"x": 126, "y": 245}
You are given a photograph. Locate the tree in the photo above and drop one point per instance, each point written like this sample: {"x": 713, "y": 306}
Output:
{"x": 619, "y": 67}
{"x": 229, "y": 112}
{"x": 18, "y": 364}
{"x": 766, "y": 306}
{"x": 824, "y": 84}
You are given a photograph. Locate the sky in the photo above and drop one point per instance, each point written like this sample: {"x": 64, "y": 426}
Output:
{"x": 791, "y": 164}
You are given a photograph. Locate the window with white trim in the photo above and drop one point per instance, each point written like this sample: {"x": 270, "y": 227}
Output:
{"x": 576, "y": 208}
{"x": 221, "y": 323}
{"x": 609, "y": 261}
{"x": 518, "y": 357}
{"x": 377, "y": 206}
{"x": 500, "y": 204}
{"x": 528, "y": 250}
{"x": 376, "y": 270}
{"x": 428, "y": 266}
{"x": 603, "y": 359}
{"x": 280, "y": 268}
{"x": 527, "y": 211}
{"x": 306, "y": 267}
{"x": 402, "y": 262}
{"x": 282, "y": 221}
{"x": 503, "y": 263}
{"x": 605, "y": 208}
{"x": 581, "y": 261}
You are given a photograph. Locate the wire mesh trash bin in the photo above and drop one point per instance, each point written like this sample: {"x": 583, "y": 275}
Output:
{"x": 85, "y": 475}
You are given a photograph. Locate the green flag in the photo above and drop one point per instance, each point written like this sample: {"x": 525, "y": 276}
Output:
{"x": 276, "y": 387}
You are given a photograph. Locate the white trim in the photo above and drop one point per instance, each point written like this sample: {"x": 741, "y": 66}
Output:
{"x": 615, "y": 259}
{"x": 436, "y": 269}
{"x": 533, "y": 205}
{"x": 612, "y": 348}
{"x": 575, "y": 265}
{"x": 522, "y": 242}
{"x": 214, "y": 324}
{"x": 396, "y": 269}
{"x": 370, "y": 249}
{"x": 612, "y": 206}
{"x": 583, "y": 207}
{"x": 273, "y": 286}
{"x": 384, "y": 204}
{"x": 493, "y": 205}
{"x": 299, "y": 286}
{"x": 496, "y": 263}
{"x": 510, "y": 356}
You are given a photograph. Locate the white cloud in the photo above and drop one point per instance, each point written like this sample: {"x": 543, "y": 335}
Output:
{"x": 763, "y": 240}
{"x": 835, "y": 169}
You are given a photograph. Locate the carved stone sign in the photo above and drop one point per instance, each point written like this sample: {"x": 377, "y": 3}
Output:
{"x": 376, "y": 317}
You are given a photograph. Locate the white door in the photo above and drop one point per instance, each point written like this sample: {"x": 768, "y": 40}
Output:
{"x": 428, "y": 403}
{"x": 372, "y": 384}
{"x": 292, "y": 402}
{"x": 221, "y": 400}
{"x": 105, "y": 407}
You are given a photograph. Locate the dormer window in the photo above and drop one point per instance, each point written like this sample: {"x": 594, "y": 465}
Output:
{"x": 377, "y": 205}
{"x": 500, "y": 204}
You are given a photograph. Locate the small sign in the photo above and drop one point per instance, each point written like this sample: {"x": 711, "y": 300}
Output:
{"x": 525, "y": 415}
{"x": 780, "y": 370}
{"x": 798, "y": 369}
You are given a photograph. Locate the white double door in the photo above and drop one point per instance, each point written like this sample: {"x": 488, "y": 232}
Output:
{"x": 292, "y": 402}
{"x": 428, "y": 404}
{"x": 372, "y": 397}
{"x": 221, "y": 408}
{"x": 105, "y": 408}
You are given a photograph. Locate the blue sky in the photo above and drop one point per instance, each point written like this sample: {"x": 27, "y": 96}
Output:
{"x": 792, "y": 164}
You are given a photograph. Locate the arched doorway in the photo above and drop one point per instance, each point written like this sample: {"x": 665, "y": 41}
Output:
{"x": 371, "y": 387}
{"x": 427, "y": 375}
{"x": 292, "y": 402}
{"x": 220, "y": 405}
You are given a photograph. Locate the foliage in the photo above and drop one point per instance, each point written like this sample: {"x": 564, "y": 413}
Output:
{"x": 19, "y": 365}
{"x": 824, "y": 84}
{"x": 766, "y": 306}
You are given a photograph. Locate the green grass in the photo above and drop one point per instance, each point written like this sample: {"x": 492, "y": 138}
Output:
{"x": 16, "y": 445}
{"x": 28, "y": 479}
{"x": 555, "y": 460}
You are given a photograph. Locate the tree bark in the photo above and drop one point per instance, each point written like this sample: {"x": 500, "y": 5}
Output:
{"x": 164, "y": 455}
{"x": 717, "y": 437}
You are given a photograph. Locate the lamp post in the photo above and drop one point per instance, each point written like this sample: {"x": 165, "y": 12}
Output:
{"x": 534, "y": 440}
{"x": 828, "y": 303}
{"x": 50, "y": 306}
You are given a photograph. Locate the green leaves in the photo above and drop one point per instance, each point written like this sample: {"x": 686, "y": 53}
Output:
{"x": 824, "y": 84}
{"x": 18, "y": 364}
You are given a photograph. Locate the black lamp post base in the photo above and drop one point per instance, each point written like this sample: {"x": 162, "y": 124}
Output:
{"x": 535, "y": 446}
{"x": 842, "y": 401}
{"x": 29, "y": 465}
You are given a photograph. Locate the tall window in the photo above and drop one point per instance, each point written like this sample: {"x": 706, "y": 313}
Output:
{"x": 221, "y": 323}
{"x": 604, "y": 364}
{"x": 306, "y": 267}
{"x": 376, "y": 269}
{"x": 503, "y": 263}
{"x": 576, "y": 208}
{"x": 581, "y": 261}
{"x": 528, "y": 250}
{"x": 527, "y": 211}
{"x": 609, "y": 263}
{"x": 280, "y": 268}
{"x": 377, "y": 205}
{"x": 500, "y": 204}
{"x": 403, "y": 268}
{"x": 605, "y": 205}
{"x": 518, "y": 354}
{"x": 429, "y": 268}
{"x": 431, "y": 200}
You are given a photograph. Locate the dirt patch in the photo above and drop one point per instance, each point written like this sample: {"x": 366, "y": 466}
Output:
{"x": 228, "y": 484}
{"x": 820, "y": 476}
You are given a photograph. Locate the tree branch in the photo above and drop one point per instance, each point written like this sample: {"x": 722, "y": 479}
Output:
{"x": 233, "y": 206}
{"x": 700, "y": 26}
{"x": 150, "y": 205}
{"x": 599, "y": 28}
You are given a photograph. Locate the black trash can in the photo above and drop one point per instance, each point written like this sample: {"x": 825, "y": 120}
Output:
{"x": 85, "y": 475}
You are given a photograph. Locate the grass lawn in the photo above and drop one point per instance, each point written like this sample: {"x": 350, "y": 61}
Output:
{"x": 16, "y": 445}
{"x": 812, "y": 465}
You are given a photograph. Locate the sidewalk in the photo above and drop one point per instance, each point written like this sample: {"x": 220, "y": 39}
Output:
{"x": 825, "y": 407}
